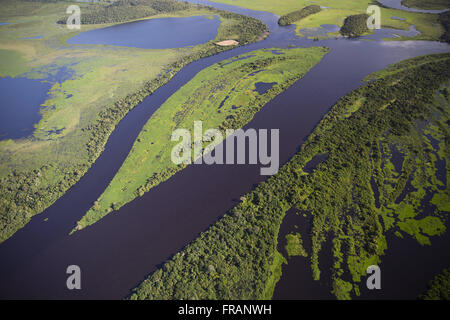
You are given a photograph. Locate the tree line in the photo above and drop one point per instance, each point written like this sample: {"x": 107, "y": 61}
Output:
{"x": 298, "y": 15}
{"x": 125, "y": 10}
{"x": 233, "y": 259}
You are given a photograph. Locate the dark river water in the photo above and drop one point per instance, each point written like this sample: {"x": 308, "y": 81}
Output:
{"x": 20, "y": 101}
{"x": 161, "y": 33}
{"x": 117, "y": 253}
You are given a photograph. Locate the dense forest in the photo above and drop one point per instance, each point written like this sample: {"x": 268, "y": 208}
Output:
{"x": 439, "y": 287}
{"x": 368, "y": 201}
{"x": 355, "y": 25}
{"x": 444, "y": 19}
{"x": 125, "y": 10}
{"x": 298, "y": 15}
{"x": 222, "y": 97}
{"x": 26, "y": 193}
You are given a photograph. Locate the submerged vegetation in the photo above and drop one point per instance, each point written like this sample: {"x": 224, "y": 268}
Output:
{"x": 294, "y": 245}
{"x": 405, "y": 108}
{"x": 102, "y": 85}
{"x": 222, "y": 96}
{"x": 298, "y": 15}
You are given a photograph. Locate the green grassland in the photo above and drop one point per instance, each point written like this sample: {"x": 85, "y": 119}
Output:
{"x": 275, "y": 275}
{"x": 405, "y": 109}
{"x": 222, "y": 96}
{"x": 337, "y": 10}
{"x": 105, "y": 83}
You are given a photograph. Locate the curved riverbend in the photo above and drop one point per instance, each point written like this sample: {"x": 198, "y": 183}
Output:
{"x": 118, "y": 252}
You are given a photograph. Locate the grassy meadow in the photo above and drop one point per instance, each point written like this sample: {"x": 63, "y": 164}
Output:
{"x": 222, "y": 96}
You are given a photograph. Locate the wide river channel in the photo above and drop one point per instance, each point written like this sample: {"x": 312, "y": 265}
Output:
{"x": 118, "y": 252}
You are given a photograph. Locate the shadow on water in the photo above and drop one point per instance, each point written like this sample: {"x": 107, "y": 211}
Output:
{"x": 117, "y": 253}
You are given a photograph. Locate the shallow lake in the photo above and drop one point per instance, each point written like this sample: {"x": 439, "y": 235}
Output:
{"x": 161, "y": 33}
{"x": 20, "y": 101}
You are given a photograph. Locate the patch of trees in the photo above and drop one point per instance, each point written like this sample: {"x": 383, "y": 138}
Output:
{"x": 444, "y": 19}
{"x": 235, "y": 121}
{"x": 439, "y": 287}
{"x": 233, "y": 258}
{"x": 355, "y": 25}
{"x": 298, "y": 15}
{"x": 125, "y": 10}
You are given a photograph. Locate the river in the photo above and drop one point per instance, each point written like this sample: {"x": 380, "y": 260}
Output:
{"x": 117, "y": 253}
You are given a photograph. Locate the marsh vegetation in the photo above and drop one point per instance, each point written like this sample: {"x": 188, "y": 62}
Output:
{"x": 356, "y": 134}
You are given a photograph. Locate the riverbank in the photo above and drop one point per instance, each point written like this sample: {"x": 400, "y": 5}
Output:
{"x": 125, "y": 247}
{"x": 332, "y": 14}
{"x": 222, "y": 96}
{"x": 83, "y": 108}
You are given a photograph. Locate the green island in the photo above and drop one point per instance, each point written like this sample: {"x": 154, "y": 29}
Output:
{"x": 403, "y": 113}
{"x": 444, "y": 19}
{"x": 104, "y": 83}
{"x": 294, "y": 245}
{"x": 335, "y": 13}
{"x": 355, "y": 25}
{"x": 298, "y": 15}
{"x": 439, "y": 287}
{"x": 126, "y": 10}
{"x": 223, "y": 96}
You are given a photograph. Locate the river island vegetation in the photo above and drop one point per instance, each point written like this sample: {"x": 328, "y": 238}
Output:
{"x": 385, "y": 142}
{"x": 223, "y": 96}
{"x": 439, "y": 287}
{"x": 93, "y": 88}
{"x": 334, "y": 13}
{"x": 294, "y": 245}
{"x": 355, "y": 26}
{"x": 298, "y": 15}
{"x": 127, "y": 10}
